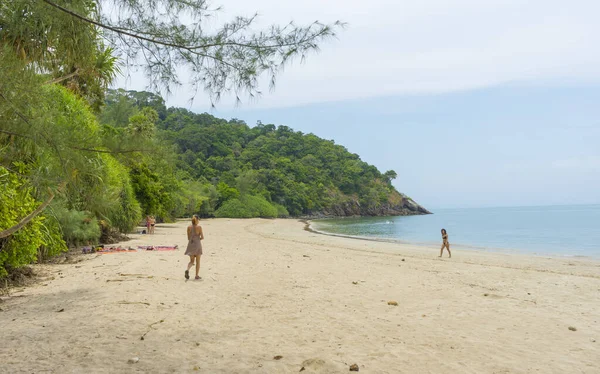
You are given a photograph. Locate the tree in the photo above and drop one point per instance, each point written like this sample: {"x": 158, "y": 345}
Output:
{"x": 230, "y": 59}
{"x": 390, "y": 175}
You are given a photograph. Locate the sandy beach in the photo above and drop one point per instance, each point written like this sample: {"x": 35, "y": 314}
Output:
{"x": 271, "y": 288}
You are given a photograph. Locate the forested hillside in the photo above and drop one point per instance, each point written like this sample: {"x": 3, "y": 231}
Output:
{"x": 285, "y": 172}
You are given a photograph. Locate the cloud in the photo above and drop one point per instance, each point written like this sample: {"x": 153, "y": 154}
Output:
{"x": 429, "y": 46}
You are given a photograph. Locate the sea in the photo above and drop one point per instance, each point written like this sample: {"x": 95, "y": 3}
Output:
{"x": 566, "y": 230}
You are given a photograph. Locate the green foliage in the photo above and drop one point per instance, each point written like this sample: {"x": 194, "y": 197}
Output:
{"x": 54, "y": 242}
{"x": 282, "y": 212}
{"x": 233, "y": 208}
{"x": 258, "y": 206}
{"x": 249, "y": 207}
{"x": 300, "y": 173}
{"x": 127, "y": 213}
{"x": 16, "y": 202}
{"x": 226, "y": 193}
{"x": 77, "y": 227}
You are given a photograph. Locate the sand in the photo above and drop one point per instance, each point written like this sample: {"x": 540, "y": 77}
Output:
{"x": 271, "y": 289}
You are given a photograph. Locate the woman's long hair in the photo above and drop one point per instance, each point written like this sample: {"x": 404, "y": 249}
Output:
{"x": 444, "y": 232}
{"x": 195, "y": 220}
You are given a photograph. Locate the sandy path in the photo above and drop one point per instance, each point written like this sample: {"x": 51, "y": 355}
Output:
{"x": 271, "y": 288}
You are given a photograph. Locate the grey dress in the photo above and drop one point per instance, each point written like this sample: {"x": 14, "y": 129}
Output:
{"x": 194, "y": 247}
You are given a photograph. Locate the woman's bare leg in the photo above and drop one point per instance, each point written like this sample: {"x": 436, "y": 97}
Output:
{"x": 442, "y": 250}
{"x": 197, "y": 265}
{"x": 191, "y": 263}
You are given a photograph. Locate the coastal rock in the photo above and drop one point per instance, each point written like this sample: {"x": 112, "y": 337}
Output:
{"x": 352, "y": 207}
{"x": 353, "y": 367}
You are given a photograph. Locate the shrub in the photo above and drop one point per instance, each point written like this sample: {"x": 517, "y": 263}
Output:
{"x": 282, "y": 212}
{"x": 248, "y": 207}
{"x": 16, "y": 202}
{"x": 260, "y": 207}
{"x": 78, "y": 227}
{"x": 233, "y": 208}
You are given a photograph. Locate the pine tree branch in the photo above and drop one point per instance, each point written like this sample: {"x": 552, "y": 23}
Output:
{"x": 129, "y": 32}
{"x": 60, "y": 79}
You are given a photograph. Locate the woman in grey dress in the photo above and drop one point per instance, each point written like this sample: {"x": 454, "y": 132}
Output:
{"x": 194, "y": 247}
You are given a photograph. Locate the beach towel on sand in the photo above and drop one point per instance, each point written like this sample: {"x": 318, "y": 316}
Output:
{"x": 158, "y": 247}
{"x": 107, "y": 249}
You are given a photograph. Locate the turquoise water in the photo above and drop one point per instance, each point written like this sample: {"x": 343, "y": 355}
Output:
{"x": 572, "y": 230}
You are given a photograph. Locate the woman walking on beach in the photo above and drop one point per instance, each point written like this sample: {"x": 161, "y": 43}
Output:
{"x": 194, "y": 247}
{"x": 445, "y": 244}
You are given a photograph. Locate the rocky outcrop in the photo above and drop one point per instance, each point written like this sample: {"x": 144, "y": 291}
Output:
{"x": 353, "y": 208}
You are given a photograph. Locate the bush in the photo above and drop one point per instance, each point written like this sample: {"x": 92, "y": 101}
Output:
{"x": 260, "y": 207}
{"x": 248, "y": 207}
{"x": 78, "y": 227}
{"x": 233, "y": 208}
{"x": 282, "y": 212}
{"x": 16, "y": 202}
{"x": 54, "y": 243}
{"x": 125, "y": 215}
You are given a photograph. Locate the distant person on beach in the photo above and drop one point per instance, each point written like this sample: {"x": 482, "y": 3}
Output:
{"x": 194, "y": 247}
{"x": 147, "y": 225}
{"x": 445, "y": 244}
{"x": 152, "y": 224}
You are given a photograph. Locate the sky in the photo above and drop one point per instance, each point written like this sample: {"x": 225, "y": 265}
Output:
{"x": 473, "y": 103}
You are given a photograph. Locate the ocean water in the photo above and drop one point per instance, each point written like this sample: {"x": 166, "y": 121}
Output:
{"x": 572, "y": 230}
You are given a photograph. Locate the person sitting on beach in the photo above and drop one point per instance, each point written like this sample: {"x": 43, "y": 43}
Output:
{"x": 194, "y": 247}
{"x": 445, "y": 244}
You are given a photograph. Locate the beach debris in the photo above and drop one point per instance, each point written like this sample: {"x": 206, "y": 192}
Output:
{"x": 592, "y": 340}
{"x": 403, "y": 260}
{"x": 62, "y": 310}
{"x": 196, "y": 368}
{"x": 133, "y": 302}
{"x": 151, "y": 326}
{"x": 394, "y": 303}
{"x": 134, "y": 360}
{"x": 277, "y": 357}
{"x": 305, "y": 256}
{"x": 353, "y": 367}
{"x": 572, "y": 328}
{"x": 486, "y": 294}
{"x": 121, "y": 337}
{"x": 302, "y": 368}
{"x": 354, "y": 282}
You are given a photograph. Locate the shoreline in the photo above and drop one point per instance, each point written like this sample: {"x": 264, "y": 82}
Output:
{"x": 471, "y": 248}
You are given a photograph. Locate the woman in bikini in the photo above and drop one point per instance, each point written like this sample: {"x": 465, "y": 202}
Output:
{"x": 445, "y": 244}
{"x": 152, "y": 224}
{"x": 194, "y": 247}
